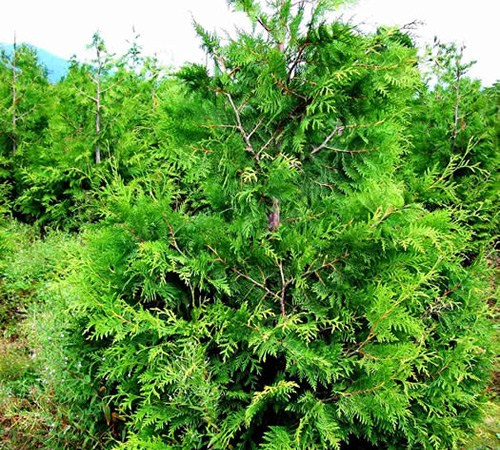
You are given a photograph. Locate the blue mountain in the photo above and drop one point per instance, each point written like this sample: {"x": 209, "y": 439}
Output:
{"x": 57, "y": 67}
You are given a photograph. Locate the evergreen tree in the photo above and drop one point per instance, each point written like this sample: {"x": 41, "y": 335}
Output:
{"x": 100, "y": 112}
{"x": 56, "y": 175}
{"x": 25, "y": 108}
{"x": 455, "y": 141}
{"x": 23, "y": 83}
{"x": 277, "y": 288}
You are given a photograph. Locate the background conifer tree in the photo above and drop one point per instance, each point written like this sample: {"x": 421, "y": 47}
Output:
{"x": 455, "y": 138}
{"x": 25, "y": 105}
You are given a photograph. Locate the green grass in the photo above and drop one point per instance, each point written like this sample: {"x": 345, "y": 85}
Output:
{"x": 488, "y": 434}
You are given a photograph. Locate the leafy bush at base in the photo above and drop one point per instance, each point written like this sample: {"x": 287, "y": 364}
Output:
{"x": 48, "y": 397}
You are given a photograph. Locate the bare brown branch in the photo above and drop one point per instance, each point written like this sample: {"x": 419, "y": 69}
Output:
{"x": 335, "y": 132}
{"x": 244, "y": 134}
{"x": 284, "y": 285}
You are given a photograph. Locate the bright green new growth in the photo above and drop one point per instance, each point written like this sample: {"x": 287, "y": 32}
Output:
{"x": 280, "y": 291}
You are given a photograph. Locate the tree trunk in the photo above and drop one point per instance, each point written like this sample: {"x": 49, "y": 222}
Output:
{"x": 97, "y": 149}
{"x": 14, "y": 97}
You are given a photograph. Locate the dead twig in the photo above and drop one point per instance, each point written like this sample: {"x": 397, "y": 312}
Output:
{"x": 284, "y": 285}
{"x": 239, "y": 125}
{"x": 337, "y": 131}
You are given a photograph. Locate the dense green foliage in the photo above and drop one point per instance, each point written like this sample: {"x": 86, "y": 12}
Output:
{"x": 287, "y": 248}
{"x": 455, "y": 138}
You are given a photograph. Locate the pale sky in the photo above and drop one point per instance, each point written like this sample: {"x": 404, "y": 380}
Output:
{"x": 65, "y": 27}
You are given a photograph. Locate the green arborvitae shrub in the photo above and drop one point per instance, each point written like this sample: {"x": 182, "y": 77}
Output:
{"x": 277, "y": 288}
